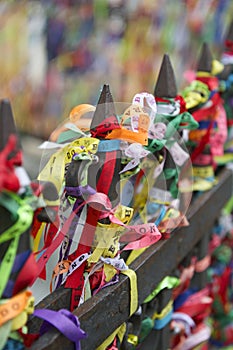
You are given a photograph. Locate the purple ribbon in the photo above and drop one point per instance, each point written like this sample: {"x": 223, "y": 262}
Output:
{"x": 78, "y": 191}
{"x": 66, "y": 322}
{"x": 19, "y": 261}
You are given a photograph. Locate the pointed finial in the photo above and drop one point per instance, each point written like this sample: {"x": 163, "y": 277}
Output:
{"x": 205, "y": 59}
{"x": 7, "y": 123}
{"x": 104, "y": 108}
{"x": 166, "y": 82}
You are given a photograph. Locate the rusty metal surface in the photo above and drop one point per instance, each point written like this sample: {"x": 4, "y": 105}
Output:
{"x": 103, "y": 313}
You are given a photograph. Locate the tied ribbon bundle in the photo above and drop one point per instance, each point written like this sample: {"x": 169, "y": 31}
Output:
{"x": 220, "y": 279}
{"x": 204, "y": 99}
{"x": 97, "y": 223}
{"x": 205, "y": 316}
{"x": 226, "y": 89}
{"x": 151, "y": 202}
{"x": 17, "y": 264}
{"x": 148, "y": 318}
{"x": 74, "y": 262}
{"x": 189, "y": 320}
{"x": 212, "y": 323}
{"x": 192, "y": 305}
{"x": 19, "y": 201}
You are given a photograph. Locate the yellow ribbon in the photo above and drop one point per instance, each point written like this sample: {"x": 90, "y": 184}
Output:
{"x": 164, "y": 312}
{"x": 133, "y": 290}
{"x": 134, "y": 254}
{"x": 37, "y": 239}
{"x": 107, "y": 236}
{"x": 120, "y": 332}
{"x": 203, "y": 185}
{"x": 21, "y": 320}
{"x": 133, "y": 339}
{"x": 203, "y": 172}
{"x": 54, "y": 170}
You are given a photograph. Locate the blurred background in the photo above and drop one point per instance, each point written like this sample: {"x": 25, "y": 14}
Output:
{"x": 56, "y": 54}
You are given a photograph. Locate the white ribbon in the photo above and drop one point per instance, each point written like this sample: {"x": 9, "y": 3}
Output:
{"x": 141, "y": 97}
{"x": 53, "y": 145}
{"x": 136, "y": 152}
{"x": 74, "y": 128}
{"x": 76, "y": 263}
{"x": 178, "y": 154}
{"x": 157, "y": 131}
{"x": 119, "y": 264}
{"x": 171, "y": 109}
{"x": 161, "y": 195}
{"x": 227, "y": 59}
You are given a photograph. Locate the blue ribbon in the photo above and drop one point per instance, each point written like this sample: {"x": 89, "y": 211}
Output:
{"x": 161, "y": 323}
{"x": 109, "y": 145}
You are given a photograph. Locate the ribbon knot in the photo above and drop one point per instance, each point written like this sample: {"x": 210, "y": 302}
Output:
{"x": 135, "y": 151}
{"x": 66, "y": 322}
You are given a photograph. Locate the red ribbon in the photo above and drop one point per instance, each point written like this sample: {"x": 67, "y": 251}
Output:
{"x": 206, "y": 113}
{"x": 182, "y": 103}
{"x": 177, "y": 98}
{"x": 229, "y": 45}
{"x": 10, "y": 157}
{"x": 76, "y": 279}
{"x": 211, "y": 82}
{"x": 101, "y": 130}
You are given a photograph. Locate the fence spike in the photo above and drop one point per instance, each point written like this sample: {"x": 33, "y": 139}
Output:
{"x": 166, "y": 82}
{"x": 205, "y": 59}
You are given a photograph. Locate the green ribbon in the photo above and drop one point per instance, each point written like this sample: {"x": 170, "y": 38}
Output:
{"x": 229, "y": 206}
{"x": 168, "y": 282}
{"x": 182, "y": 121}
{"x": 146, "y": 327}
{"x": 169, "y": 175}
{"x": 223, "y": 254}
{"x": 22, "y": 214}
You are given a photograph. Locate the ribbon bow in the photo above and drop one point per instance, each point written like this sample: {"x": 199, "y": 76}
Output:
{"x": 141, "y": 235}
{"x": 66, "y": 322}
{"x": 135, "y": 151}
